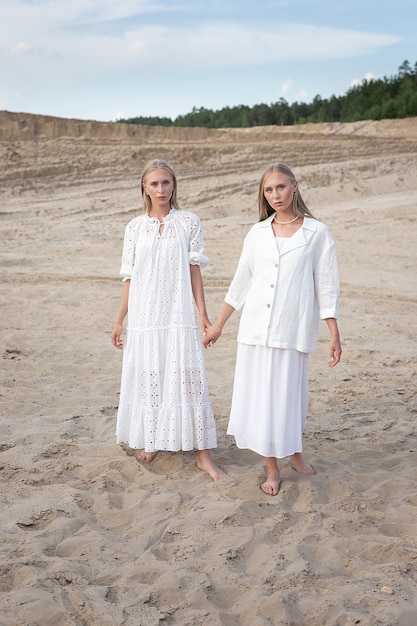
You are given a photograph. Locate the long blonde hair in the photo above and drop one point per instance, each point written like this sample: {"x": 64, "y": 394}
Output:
{"x": 154, "y": 165}
{"x": 265, "y": 209}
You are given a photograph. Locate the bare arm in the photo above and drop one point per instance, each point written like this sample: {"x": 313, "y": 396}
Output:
{"x": 116, "y": 336}
{"x": 214, "y": 332}
{"x": 198, "y": 293}
{"x": 335, "y": 346}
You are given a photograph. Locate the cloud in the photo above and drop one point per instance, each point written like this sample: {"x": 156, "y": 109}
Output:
{"x": 224, "y": 44}
{"x": 368, "y": 78}
{"x": 98, "y": 35}
{"x": 21, "y": 48}
{"x": 290, "y": 92}
{"x": 286, "y": 87}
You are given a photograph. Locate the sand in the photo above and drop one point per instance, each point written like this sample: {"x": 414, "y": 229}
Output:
{"x": 91, "y": 537}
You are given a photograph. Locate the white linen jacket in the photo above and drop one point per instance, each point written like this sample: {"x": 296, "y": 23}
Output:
{"x": 286, "y": 293}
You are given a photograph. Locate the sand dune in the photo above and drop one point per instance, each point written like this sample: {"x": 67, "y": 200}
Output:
{"x": 89, "y": 536}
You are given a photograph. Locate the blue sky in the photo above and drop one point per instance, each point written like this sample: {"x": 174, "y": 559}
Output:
{"x": 105, "y": 59}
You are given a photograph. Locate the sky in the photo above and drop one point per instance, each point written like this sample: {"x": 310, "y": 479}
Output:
{"x": 109, "y": 59}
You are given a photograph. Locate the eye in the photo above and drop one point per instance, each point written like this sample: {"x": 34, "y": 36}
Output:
{"x": 268, "y": 190}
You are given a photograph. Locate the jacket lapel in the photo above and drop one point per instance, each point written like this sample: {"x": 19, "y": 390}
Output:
{"x": 301, "y": 237}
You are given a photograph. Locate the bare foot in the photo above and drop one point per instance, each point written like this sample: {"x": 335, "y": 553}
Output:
{"x": 205, "y": 464}
{"x": 145, "y": 457}
{"x": 300, "y": 465}
{"x": 271, "y": 486}
{"x": 273, "y": 482}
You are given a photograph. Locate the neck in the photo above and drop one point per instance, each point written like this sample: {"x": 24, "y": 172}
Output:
{"x": 159, "y": 212}
{"x": 283, "y": 220}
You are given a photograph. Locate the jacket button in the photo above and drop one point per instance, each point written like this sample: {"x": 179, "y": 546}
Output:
{"x": 276, "y": 264}
{"x": 269, "y": 306}
{"x": 272, "y": 286}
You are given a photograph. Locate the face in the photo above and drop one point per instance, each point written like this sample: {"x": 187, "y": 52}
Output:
{"x": 279, "y": 191}
{"x": 159, "y": 186}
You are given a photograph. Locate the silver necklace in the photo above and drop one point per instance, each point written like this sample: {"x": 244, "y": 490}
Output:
{"x": 289, "y": 221}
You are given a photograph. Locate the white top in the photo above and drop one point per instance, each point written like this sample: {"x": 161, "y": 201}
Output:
{"x": 161, "y": 294}
{"x": 285, "y": 292}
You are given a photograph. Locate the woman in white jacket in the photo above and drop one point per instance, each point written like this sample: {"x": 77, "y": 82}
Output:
{"x": 286, "y": 281}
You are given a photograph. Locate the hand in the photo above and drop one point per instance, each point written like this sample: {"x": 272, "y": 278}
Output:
{"x": 205, "y": 324}
{"x": 211, "y": 336}
{"x": 116, "y": 337}
{"x": 335, "y": 352}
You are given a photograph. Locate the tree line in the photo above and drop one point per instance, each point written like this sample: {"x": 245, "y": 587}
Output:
{"x": 373, "y": 99}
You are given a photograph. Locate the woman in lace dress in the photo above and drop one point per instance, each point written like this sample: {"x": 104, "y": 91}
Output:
{"x": 286, "y": 280}
{"x": 164, "y": 402}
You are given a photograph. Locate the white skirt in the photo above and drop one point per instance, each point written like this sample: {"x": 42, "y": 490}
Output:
{"x": 270, "y": 400}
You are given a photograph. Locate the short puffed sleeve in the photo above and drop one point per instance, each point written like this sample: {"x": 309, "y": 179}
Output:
{"x": 197, "y": 242}
{"x": 128, "y": 254}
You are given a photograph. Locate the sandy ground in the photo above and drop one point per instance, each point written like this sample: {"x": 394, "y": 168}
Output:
{"x": 91, "y": 537}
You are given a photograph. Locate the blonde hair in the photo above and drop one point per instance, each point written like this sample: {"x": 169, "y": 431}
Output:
{"x": 265, "y": 209}
{"x": 154, "y": 165}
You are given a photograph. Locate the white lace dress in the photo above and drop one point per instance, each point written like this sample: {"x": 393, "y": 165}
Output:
{"x": 164, "y": 402}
